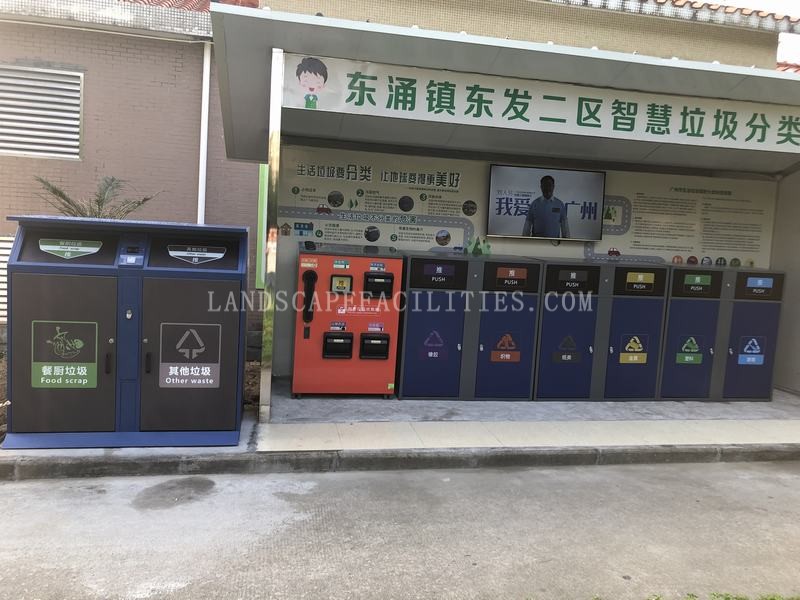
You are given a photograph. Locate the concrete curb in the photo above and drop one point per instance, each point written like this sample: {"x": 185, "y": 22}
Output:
{"x": 21, "y": 468}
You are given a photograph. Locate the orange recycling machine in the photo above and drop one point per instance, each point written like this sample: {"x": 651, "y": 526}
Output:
{"x": 348, "y": 316}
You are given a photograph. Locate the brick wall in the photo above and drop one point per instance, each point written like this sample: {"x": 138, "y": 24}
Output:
{"x": 140, "y": 119}
{"x": 141, "y": 123}
{"x": 530, "y": 20}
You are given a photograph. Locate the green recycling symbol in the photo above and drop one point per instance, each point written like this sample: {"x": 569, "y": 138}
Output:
{"x": 690, "y": 345}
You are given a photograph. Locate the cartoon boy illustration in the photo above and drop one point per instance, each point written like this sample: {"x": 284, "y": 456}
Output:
{"x": 312, "y": 75}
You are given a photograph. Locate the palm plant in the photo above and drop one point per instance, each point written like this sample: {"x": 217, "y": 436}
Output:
{"x": 105, "y": 203}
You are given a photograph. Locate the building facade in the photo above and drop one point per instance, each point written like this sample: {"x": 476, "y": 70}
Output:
{"x": 142, "y": 70}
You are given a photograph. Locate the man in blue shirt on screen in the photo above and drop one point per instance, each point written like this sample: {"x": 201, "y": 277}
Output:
{"x": 547, "y": 215}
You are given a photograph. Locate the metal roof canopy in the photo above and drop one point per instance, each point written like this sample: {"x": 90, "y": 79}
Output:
{"x": 244, "y": 39}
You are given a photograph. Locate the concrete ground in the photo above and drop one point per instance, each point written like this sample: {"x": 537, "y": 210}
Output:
{"x": 570, "y": 533}
{"x": 332, "y": 409}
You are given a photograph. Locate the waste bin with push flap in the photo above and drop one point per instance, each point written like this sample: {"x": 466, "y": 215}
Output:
{"x": 121, "y": 333}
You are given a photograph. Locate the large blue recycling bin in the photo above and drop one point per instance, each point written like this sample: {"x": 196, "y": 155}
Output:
{"x": 691, "y": 331}
{"x": 509, "y": 311}
{"x": 634, "y": 339}
{"x": 753, "y": 335}
{"x": 567, "y": 332}
{"x": 433, "y": 327}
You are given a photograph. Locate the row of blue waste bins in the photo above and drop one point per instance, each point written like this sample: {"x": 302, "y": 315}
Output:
{"x": 511, "y": 329}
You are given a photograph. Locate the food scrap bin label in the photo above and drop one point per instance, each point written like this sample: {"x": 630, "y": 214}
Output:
{"x": 68, "y": 249}
{"x": 63, "y": 354}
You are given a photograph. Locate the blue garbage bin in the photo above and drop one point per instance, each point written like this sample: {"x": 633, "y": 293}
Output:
{"x": 121, "y": 333}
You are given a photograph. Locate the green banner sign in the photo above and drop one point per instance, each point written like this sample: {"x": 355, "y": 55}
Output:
{"x": 364, "y": 88}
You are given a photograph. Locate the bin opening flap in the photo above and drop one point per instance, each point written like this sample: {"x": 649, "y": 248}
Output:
{"x": 374, "y": 346}
{"x": 337, "y": 344}
{"x": 377, "y": 284}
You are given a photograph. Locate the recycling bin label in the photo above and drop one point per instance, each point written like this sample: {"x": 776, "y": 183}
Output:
{"x": 634, "y": 349}
{"x": 433, "y": 348}
{"x": 751, "y": 350}
{"x": 505, "y": 350}
{"x": 63, "y": 354}
{"x": 567, "y": 351}
{"x": 691, "y": 350}
{"x": 190, "y": 355}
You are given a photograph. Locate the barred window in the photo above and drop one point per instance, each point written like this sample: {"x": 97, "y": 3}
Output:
{"x": 40, "y": 112}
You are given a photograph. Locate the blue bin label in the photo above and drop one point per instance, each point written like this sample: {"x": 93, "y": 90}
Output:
{"x": 751, "y": 350}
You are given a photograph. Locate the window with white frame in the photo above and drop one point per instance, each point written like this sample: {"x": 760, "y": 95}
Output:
{"x": 40, "y": 112}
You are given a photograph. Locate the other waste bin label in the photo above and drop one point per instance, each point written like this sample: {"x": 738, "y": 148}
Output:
{"x": 63, "y": 354}
{"x": 190, "y": 355}
{"x": 196, "y": 255}
{"x": 68, "y": 249}
{"x": 567, "y": 351}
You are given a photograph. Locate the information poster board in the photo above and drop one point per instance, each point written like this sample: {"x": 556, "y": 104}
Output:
{"x": 679, "y": 219}
{"x": 425, "y": 204}
{"x": 406, "y": 202}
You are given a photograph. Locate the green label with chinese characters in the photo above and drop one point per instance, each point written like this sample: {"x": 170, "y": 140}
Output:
{"x": 690, "y": 353}
{"x": 689, "y": 359}
{"x": 68, "y": 249}
{"x": 63, "y": 354}
{"x": 693, "y": 279}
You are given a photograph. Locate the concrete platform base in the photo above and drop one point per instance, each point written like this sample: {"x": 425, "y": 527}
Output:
{"x": 394, "y": 446}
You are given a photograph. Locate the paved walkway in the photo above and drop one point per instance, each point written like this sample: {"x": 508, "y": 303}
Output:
{"x": 515, "y": 434}
{"x": 311, "y": 424}
{"x": 562, "y": 434}
{"x": 331, "y": 409}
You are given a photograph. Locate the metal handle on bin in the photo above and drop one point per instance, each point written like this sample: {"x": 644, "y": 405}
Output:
{"x": 480, "y": 347}
{"x": 611, "y": 349}
{"x": 108, "y": 363}
{"x": 711, "y": 351}
{"x": 148, "y": 362}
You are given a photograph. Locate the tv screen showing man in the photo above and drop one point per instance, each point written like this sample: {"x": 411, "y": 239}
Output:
{"x": 546, "y": 203}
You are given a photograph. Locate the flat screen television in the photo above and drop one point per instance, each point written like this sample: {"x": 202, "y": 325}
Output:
{"x": 546, "y": 204}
